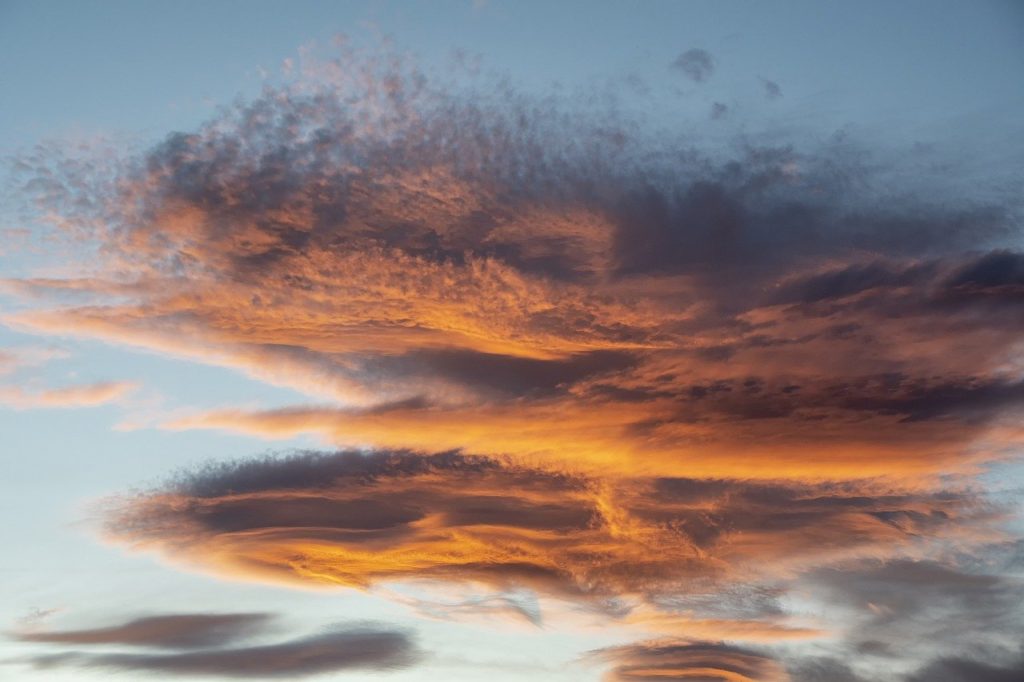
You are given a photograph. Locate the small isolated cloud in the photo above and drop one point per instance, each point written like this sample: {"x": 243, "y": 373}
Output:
{"x": 178, "y": 631}
{"x": 772, "y": 90}
{"x": 719, "y": 111}
{"x": 86, "y": 395}
{"x": 16, "y": 359}
{"x": 955, "y": 669}
{"x": 505, "y": 607}
{"x": 363, "y": 647}
{"x": 696, "y": 64}
{"x": 663, "y": 661}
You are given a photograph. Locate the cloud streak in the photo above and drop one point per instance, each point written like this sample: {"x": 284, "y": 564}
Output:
{"x": 177, "y": 631}
{"x": 85, "y": 395}
{"x": 339, "y": 650}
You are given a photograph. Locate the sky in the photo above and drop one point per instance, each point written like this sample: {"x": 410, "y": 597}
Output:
{"x": 621, "y": 341}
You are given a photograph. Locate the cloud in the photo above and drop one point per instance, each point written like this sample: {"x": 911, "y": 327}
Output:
{"x": 177, "y": 631}
{"x": 384, "y": 252}
{"x": 15, "y": 359}
{"x": 680, "y": 371}
{"x": 968, "y": 670}
{"x": 1000, "y": 273}
{"x": 358, "y": 520}
{"x": 772, "y": 90}
{"x": 823, "y": 669}
{"x": 711, "y": 662}
{"x": 338, "y": 650}
{"x": 86, "y": 395}
{"x": 696, "y": 64}
{"x": 926, "y": 609}
{"x": 743, "y": 432}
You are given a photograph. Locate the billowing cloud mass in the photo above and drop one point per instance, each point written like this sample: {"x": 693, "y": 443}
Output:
{"x": 735, "y": 396}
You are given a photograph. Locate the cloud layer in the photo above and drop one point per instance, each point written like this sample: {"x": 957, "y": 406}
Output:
{"x": 208, "y": 644}
{"x": 357, "y": 519}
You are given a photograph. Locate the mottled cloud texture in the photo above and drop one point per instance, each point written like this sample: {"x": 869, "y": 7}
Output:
{"x": 722, "y": 397}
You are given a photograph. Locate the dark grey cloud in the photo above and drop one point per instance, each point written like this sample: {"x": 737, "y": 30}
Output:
{"x": 365, "y": 648}
{"x": 719, "y": 111}
{"x": 946, "y": 612}
{"x": 175, "y": 631}
{"x": 966, "y": 398}
{"x": 696, "y": 64}
{"x": 969, "y": 670}
{"x": 494, "y": 374}
{"x": 997, "y": 273}
{"x": 917, "y": 588}
{"x": 853, "y": 279}
{"x": 772, "y": 90}
{"x": 944, "y": 669}
{"x": 823, "y": 669}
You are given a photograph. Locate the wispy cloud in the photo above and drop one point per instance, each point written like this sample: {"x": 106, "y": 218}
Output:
{"x": 85, "y": 395}
{"x": 13, "y": 359}
{"x": 175, "y": 631}
{"x": 353, "y": 648}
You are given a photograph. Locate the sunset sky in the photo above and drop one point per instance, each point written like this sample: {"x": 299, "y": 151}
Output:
{"x": 413, "y": 341}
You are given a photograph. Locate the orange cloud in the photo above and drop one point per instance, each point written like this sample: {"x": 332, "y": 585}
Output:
{"x": 357, "y": 520}
{"x": 681, "y": 660}
{"x": 88, "y": 395}
{"x": 629, "y": 439}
